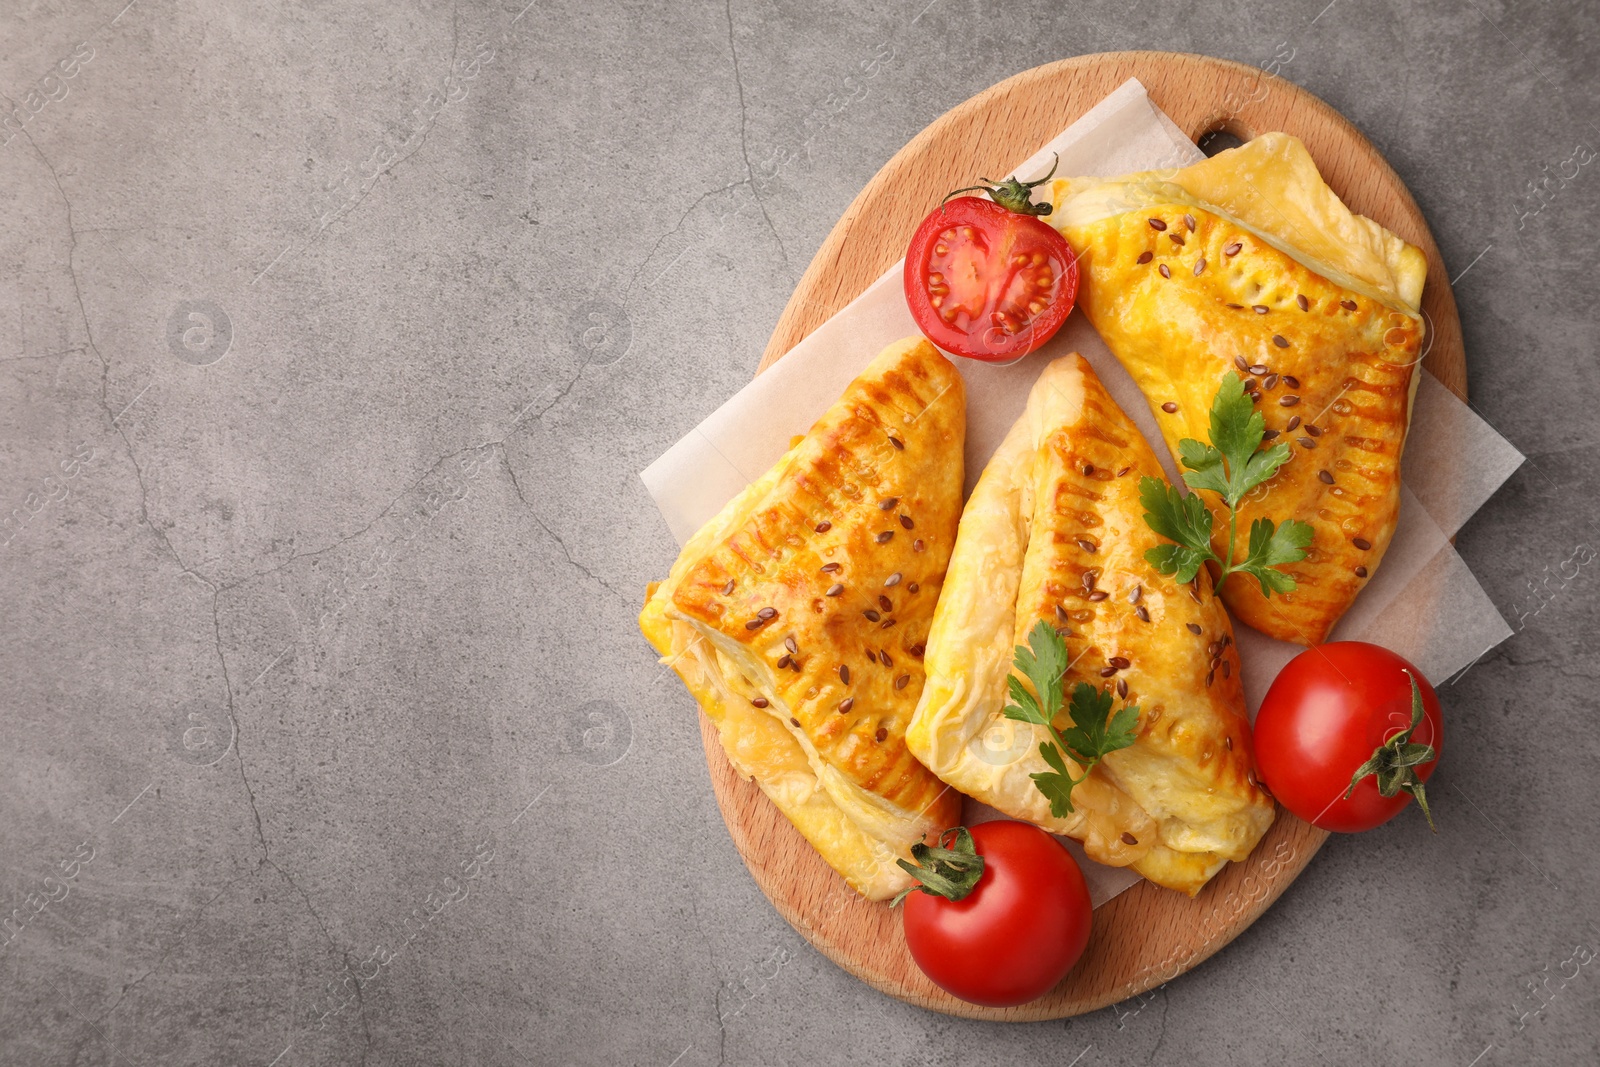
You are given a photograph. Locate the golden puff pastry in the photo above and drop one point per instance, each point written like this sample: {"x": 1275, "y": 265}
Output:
{"x": 799, "y": 615}
{"x": 1054, "y": 530}
{"x": 1248, "y": 264}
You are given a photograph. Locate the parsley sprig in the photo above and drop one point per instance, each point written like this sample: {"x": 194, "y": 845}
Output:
{"x": 1230, "y": 466}
{"x": 1044, "y": 662}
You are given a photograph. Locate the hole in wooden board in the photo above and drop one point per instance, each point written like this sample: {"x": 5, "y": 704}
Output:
{"x": 1222, "y": 133}
{"x": 1218, "y": 141}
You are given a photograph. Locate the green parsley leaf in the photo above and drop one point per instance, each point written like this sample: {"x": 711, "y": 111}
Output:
{"x": 1182, "y": 518}
{"x": 1232, "y": 465}
{"x": 1205, "y": 466}
{"x": 1043, "y": 663}
{"x": 1052, "y": 755}
{"x": 1262, "y": 466}
{"x": 1044, "y": 660}
{"x": 1271, "y": 546}
{"x": 1024, "y": 708}
{"x": 1055, "y": 785}
{"x": 1091, "y": 736}
{"x": 1057, "y": 789}
{"x": 1182, "y": 563}
{"x": 1123, "y": 730}
{"x": 1236, "y": 431}
{"x": 1089, "y": 709}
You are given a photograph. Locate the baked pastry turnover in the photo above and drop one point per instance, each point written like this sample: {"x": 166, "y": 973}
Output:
{"x": 1055, "y": 531}
{"x": 799, "y": 615}
{"x": 1248, "y": 264}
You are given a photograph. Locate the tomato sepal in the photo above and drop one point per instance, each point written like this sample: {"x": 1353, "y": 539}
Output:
{"x": 1012, "y": 194}
{"x": 944, "y": 870}
{"x": 1394, "y": 762}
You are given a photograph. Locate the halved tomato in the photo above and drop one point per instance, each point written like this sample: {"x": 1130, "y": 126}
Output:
{"x": 988, "y": 280}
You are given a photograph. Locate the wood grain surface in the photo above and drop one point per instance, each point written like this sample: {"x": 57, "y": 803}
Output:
{"x": 1148, "y": 935}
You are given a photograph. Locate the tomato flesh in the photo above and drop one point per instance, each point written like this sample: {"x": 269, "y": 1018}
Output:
{"x": 1017, "y": 933}
{"x": 1323, "y": 717}
{"x": 988, "y": 283}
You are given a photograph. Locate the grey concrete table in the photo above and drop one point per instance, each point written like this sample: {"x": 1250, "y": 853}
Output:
{"x": 332, "y": 338}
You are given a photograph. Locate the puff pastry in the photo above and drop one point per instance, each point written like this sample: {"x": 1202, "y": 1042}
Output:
{"x": 798, "y": 616}
{"x": 1054, "y": 530}
{"x": 1248, "y": 264}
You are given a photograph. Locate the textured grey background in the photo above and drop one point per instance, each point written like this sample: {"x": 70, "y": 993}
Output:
{"x": 332, "y": 337}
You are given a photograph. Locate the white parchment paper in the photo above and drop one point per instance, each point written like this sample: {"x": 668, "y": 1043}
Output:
{"x": 1423, "y": 602}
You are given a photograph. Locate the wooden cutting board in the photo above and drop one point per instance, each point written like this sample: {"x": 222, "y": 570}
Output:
{"x": 1148, "y": 935}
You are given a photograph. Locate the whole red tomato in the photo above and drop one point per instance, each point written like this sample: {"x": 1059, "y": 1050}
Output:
{"x": 1339, "y": 708}
{"x": 1017, "y": 932}
{"x": 986, "y": 279}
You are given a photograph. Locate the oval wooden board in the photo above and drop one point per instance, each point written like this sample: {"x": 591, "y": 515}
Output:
{"x": 1147, "y": 935}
